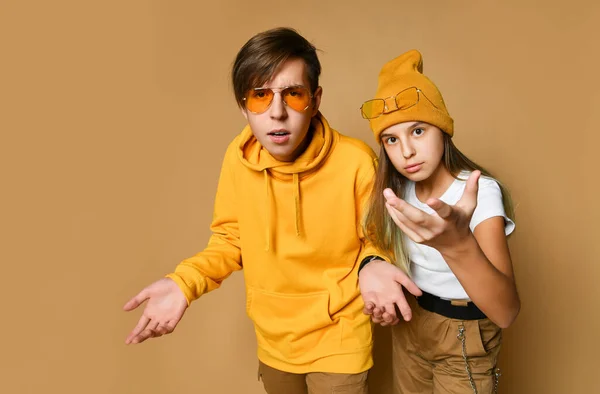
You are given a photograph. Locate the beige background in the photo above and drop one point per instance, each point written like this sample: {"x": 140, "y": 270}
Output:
{"x": 114, "y": 116}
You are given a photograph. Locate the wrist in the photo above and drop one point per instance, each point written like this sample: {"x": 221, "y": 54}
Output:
{"x": 366, "y": 261}
{"x": 460, "y": 250}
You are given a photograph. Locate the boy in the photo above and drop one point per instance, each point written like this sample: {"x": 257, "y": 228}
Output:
{"x": 288, "y": 209}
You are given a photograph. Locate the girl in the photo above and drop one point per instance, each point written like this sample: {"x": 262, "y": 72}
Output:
{"x": 447, "y": 231}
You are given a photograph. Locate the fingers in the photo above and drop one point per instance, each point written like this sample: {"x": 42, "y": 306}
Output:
{"x": 395, "y": 202}
{"x": 377, "y": 315}
{"x": 416, "y": 223}
{"x": 400, "y": 305}
{"x": 376, "y": 320}
{"x": 411, "y": 213}
{"x": 146, "y": 334}
{"x": 377, "y": 312}
{"x": 442, "y": 209}
{"x": 142, "y": 323}
{"x": 368, "y": 309}
{"x": 161, "y": 330}
{"x": 404, "y": 224}
{"x": 389, "y": 314}
{"x": 166, "y": 328}
{"x": 148, "y": 328}
{"x": 408, "y": 284}
{"x": 149, "y": 332}
{"x": 391, "y": 323}
{"x": 404, "y": 309}
{"x": 468, "y": 200}
{"x": 401, "y": 308}
{"x": 384, "y": 318}
{"x": 386, "y": 315}
{"x": 388, "y": 319}
{"x": 136, "y": 301}
{"x": 389, "y": 194}
{"x": 473, "y": 181}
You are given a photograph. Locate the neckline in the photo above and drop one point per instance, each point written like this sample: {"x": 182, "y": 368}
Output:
{"x": 451, "y": 187}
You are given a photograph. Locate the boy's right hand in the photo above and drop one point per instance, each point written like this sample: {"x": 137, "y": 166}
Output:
{"x": 381, "y": 286}
{"x": 166, "y": 306}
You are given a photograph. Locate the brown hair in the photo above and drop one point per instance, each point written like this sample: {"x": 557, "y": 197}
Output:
{"x": 379, "y": 227}
{"x": 264, "y": 53}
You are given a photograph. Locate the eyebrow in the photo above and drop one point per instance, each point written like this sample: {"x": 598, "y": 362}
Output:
{"x": 282, "y": 87}
{"x": 412, "y": 126}
{"x": 417, "y": 124}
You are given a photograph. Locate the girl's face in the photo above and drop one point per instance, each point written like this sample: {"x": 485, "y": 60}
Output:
{"x": 414, "y": 148}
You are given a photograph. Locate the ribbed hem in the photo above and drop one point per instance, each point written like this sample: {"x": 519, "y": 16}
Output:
{"x": 348, "y": 363}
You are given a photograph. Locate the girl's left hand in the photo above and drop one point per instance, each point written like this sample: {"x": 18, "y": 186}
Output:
{"x": 444, "y": 229}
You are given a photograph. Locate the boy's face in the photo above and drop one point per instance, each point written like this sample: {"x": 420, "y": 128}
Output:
{"x": 281, "y": 130}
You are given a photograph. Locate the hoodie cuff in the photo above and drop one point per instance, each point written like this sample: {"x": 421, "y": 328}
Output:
{"x": 185, "y": 289}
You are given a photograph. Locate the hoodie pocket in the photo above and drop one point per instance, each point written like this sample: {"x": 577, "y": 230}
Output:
{"x": 289, "y": 325}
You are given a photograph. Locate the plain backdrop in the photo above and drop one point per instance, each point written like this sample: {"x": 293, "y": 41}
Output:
{"x": 115, "y": 115}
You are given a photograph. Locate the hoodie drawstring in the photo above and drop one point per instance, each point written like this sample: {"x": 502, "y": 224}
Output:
{"x": 297, "y": 202}
{"x": 268, "y": 206}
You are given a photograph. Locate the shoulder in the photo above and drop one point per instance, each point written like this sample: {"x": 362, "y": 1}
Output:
{"x": 355, "y": 158}
{"x": 489, "y": 202}
{"x": 233, "y": 147}
{"x": 484, "y": 180}
{"x": 485, "y": 184}
{"x": 356, "y": 147}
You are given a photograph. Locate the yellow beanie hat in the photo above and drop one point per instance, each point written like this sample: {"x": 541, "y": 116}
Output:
{"x": 406, "y": 71}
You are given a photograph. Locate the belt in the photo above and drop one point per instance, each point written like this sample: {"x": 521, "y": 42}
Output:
{"x": 464, "y": 311}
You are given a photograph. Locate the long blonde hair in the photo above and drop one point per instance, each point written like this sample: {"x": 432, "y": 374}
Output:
{"x": 379, "y": 227}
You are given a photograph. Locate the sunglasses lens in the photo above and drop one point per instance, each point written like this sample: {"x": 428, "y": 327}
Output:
{"x": 297, "y": 98}
{"x": 407, "y": 98}
{"x": 372, "y": 108}
{"x": 258, "y": 100}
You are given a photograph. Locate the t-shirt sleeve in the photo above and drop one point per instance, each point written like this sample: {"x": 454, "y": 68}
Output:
{"x": 489, "y": 204}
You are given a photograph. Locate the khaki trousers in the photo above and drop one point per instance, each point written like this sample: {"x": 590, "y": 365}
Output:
{"x": 429, "y": 354}
{"x": 279, "y": 382}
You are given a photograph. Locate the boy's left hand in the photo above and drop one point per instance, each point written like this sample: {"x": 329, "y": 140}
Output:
{"x": 381, "y": 286}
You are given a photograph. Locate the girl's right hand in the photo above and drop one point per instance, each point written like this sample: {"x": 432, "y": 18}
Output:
{"x": 447, "y": 228}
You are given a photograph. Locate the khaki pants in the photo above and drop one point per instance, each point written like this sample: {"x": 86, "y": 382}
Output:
{"x": 429, "y": 357}
{"x": 279, "y": 382}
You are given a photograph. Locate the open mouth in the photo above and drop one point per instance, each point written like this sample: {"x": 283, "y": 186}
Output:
{"x": 279, "y": 133}
{"x": 280, "y": 137}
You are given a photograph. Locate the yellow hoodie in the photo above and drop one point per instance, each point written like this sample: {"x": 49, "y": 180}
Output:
{"x": 295, "y": 229}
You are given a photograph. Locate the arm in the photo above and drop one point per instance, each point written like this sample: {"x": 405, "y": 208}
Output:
{"x": 364, "y": 185}
{"x": 206, "y": 270}
{"x": 483, "y": 267}
{"x": 479, "y": 259}
{"x": 380, "y": 281}
{"x": 168, "y": 298}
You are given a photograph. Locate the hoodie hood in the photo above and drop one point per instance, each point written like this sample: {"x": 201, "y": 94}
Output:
{"x": 257, "y": 158}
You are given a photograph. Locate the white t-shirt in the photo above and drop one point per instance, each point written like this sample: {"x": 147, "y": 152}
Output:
{"x": 429, "y": 270}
